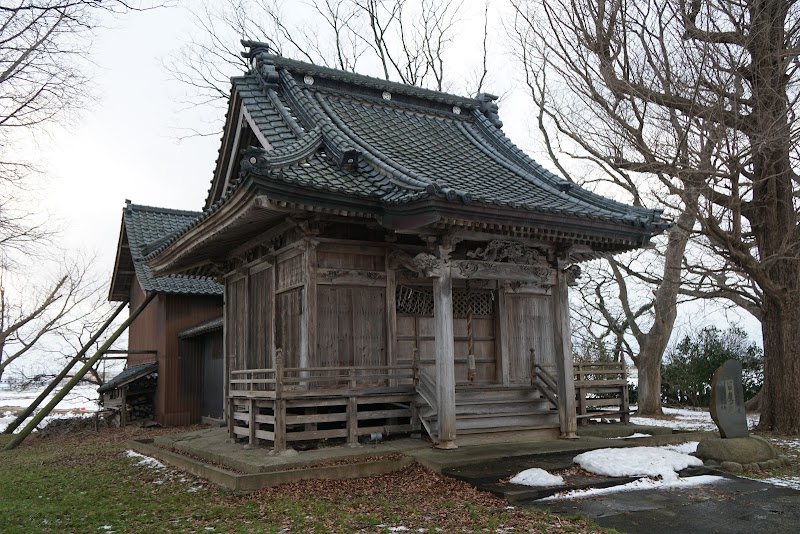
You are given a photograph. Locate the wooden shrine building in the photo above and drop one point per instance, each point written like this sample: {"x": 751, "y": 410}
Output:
{"x": 391, "y": 261}
{"x": 180, "y": 331}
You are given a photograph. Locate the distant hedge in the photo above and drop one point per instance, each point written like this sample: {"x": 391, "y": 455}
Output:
{"x": 688, "y": 366}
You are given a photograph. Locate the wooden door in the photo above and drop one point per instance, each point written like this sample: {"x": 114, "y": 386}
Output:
{"x": 530, "y": 326}
{"x": 351, "y": 326}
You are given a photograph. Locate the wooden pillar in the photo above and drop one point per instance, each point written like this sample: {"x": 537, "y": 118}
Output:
{"x": 308, "y": 322}
{"x": 226, "y": 363}
{"x": 445, "y": 357}
{"x": 279, "y": 407}
{"x": 563, "y": 354}
{"x": 391, "y": 318}
{"x": 503, "y": 332}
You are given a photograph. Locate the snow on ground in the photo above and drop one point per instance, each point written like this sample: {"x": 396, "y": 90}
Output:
{"x": 661, "y": 463}
{"x": 536, "y": 477}
{"x": 638, "y": 485}
{"x": 687, "y": 419}
{"x": 82, "y": 400}
{"x": 788, "y": 482}
{"x": 634, "y": 435}
{"x": 637, "y": 461}
{"x": 146, "y": 461}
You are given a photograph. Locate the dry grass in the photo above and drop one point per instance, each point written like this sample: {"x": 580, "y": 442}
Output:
{"x": 82, "y": 482}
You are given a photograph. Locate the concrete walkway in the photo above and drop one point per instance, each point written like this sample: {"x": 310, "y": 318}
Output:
{"x": 212, "y": 445}
{"x": 735, "y": 505}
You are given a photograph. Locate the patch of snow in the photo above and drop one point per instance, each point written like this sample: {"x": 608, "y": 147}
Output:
{"x": 81, "y": 401}
{"x": 145, "y": 461}
{"x": 787, "y": 482}
{"x": 401, "y": 528}
{"x": 636, "y": 461}
{"x": 687, "y": 419}
{"x": 105, "y": 527}
{"x": 638, "y": 485}
{"x": 536, "y": 477}
{"x": 684, "y": 448}
{"x": 634, "y": 435}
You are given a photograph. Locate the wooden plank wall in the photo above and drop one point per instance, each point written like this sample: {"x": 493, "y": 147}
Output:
{"x": 351, "y": 326}
{"x": 147, "y": 331}
{"x": 259, "y": 343}
{"x": 351, "y": 306}
{"x": 179, "y": 394}
{"x": 528, "y": 324}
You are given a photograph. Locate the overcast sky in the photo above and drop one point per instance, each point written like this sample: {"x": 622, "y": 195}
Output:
{"x": 126, "y": 145}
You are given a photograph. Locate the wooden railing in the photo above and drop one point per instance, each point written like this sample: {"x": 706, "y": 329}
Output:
{"x": 293, "y": 382}
{"x": 601, "y": 390}
{"x": 545, "y": 382}
{"x": 313, "y": 403}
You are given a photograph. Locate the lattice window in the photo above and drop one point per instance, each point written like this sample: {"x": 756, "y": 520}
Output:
{"x": 482, "y": 303}
{"x": 415, "y": 301}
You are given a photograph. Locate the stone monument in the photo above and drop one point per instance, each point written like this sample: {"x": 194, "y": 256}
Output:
{"x": 736, "y": 451}
{"x": 727, "y": 400}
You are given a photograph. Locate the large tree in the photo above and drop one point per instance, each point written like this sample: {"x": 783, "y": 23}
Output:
{"x": 702, "y": 95}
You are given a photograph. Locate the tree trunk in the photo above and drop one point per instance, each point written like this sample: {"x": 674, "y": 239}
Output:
{"x": 649, "y": 390}
{"x": 781, "y": 395}
{"x": 754, "y": 404}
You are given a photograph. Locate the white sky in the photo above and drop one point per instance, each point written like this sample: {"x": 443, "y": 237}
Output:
{"x": 125, "y": 146}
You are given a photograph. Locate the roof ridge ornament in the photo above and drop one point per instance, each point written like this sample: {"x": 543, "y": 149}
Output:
{"x": 262, "y": 62}
{"x": 489, "y": 108}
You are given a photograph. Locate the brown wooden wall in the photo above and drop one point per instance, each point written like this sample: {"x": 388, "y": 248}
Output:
{"x": 147, "y": 331}
{"x": 334, "y": 304}
{"x": 177, "y": 397}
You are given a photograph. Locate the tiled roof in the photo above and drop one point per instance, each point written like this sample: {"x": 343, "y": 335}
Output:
{"x": 333, "y": 140}
{"x": 147, "y": 226}
{"x": 410, "y": 143}
{"x": 128, "y": 375}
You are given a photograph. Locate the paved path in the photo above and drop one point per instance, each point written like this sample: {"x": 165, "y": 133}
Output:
{"x": 735, "y": 505}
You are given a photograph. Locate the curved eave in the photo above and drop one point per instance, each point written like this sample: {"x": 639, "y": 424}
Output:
{"x": 260, "y": 202}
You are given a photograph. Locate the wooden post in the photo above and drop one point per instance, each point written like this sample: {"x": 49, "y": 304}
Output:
{"x": 626, "y": 413}
{"x": 416, "y": 425}
{"x": 12, "y": 426}
{"x": 252, "y": 441}
{"x": 280, "y": 404}
{"x": 563, "y": 354}
{"x": 445, "y": 358}
{"x": 226, "y": 364}
{"x": 391, "y": 319}
{"x": 123, "y": 412}
{"x": 503, "y": 332}
{"x": 308, "y": 321}
{"x": 44, "y": 412}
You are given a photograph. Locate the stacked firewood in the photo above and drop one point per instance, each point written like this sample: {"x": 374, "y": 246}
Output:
{"x": 140, "y": 407}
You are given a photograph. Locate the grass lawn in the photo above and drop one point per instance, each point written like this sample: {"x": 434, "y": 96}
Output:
{"x": 85, "y": 482}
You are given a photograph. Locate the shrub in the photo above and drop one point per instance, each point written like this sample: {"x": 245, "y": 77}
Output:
{"x": 688, "y": 367}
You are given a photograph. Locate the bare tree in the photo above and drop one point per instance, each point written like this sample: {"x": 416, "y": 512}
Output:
{"x": 32, "y": 317}
{"x": 44, "y": 51}
{"x": 400, "y": 40}
{"x": 701, "y": 95}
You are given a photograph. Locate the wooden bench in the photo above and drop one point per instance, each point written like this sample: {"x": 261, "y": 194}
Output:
{"x": 599, "y": 386}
